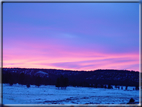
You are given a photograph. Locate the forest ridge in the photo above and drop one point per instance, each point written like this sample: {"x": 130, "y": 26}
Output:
{"x": 74, "y": 78}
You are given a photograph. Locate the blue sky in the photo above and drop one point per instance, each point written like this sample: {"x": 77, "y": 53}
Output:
{"x": 80, "y": 36}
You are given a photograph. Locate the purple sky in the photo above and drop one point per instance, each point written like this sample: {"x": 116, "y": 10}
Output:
{"x": 77, "y": 36}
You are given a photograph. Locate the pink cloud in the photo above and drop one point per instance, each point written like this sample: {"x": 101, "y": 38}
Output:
{"x": 59, "y": 55}
{"x": 82, "y": 60}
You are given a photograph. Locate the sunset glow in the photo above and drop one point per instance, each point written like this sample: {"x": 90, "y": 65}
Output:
{"x": 74, "y": 36}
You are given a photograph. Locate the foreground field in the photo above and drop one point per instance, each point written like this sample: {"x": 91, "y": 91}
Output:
{"x": 20, "y": 94}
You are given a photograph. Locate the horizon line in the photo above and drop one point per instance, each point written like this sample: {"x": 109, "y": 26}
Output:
{"x": 70, "y": 69}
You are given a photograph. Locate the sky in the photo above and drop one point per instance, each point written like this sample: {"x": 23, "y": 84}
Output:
{"x": 74, "y": 36}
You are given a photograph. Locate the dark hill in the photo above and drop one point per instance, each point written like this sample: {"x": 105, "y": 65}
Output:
{"x": 75, "y": 78}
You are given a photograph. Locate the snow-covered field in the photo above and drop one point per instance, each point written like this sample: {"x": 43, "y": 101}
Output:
{"x": 20, "y": 94}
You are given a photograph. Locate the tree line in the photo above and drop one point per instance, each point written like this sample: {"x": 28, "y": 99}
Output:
{"x": 23, "y": 79}
{"x": 60, "y": 81}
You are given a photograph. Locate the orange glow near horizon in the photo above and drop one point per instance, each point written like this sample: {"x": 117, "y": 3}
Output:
{"x": 84, "y": 61}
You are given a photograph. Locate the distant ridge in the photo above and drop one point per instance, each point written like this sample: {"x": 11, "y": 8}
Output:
{"x": 100, "y": 76}
{"x": 71, "y": 70}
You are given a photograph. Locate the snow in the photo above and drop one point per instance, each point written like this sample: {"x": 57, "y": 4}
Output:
{"x": 41, "y": 73}
{"x": 20, "y": 94}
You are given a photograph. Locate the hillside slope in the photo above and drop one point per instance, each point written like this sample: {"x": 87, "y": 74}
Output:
{"x": 75, "y": 78}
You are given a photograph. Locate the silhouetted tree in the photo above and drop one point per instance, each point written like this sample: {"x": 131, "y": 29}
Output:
{"x": 58, "y": 83}
{"x": 28, "y": 85}
{"x": 137, "y": 87}
{"x": 22, "y": 79}
{"x": 65, "y": 82}
{"x": 110, "y": 87}
{"x": 62, "y": 82}
{"x": 10, "y": 79}
{"x": 96, "y": 85}
{"x": 105, "y": 86}
{"x": 102, "y": 86}
{"x": 38, "y": 81}
{"x": 11, "y": 83}
{"x": 126, "y": 87}
{"x": 45, "y": 81}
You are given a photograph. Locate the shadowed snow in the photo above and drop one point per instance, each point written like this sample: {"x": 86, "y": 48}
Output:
{"x": 20, "y": 94}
